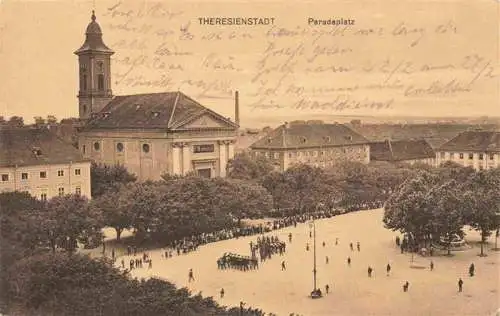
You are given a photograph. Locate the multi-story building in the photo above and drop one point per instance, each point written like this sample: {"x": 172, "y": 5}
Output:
{"x": 477, "y": 149}
{"x": 403, "y": 151}
{"x": 313, "y": 143}
{"x": 40, "y": 163}
{"x": 150, "y": 134}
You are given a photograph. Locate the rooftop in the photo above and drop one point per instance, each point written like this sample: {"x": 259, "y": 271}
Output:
{"x": 401, "y": 150}
{"x": 34, "y": 146}
{"x": 166, "y": 110}
{"x": 304, "y": 135}
{"x": 474, "y": 141}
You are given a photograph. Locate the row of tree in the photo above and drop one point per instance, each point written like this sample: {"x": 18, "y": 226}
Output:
{"x": 435, "y": 207}
{"x": 181, "y": 207}
{"x": 302, "y": 187}
{"x": 38, "y": 281}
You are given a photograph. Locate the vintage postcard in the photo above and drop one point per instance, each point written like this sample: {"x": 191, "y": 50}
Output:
{"x": 229, "y": 157}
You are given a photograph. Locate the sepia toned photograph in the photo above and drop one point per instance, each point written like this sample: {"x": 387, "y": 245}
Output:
{"x": 249, "y": 158}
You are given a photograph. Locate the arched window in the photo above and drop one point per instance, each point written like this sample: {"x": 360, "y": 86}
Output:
{"x": 97, "y": 146}
{"x": 146, "y": 148}
{"x": 100, "y": 82}
{"x": 119, "y": 147}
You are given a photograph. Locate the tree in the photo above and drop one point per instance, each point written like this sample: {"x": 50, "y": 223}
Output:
{"x": 115, "y": 208}
{"x": 68, "y": 219}
{"x": 276, "y": 184}
{"x": 482, "y": 200}
{"x": 51, "y": 120}
{"x": 409, "y": 209}
{"x": 245, "y": 167}
{"x": 15, "y": 121}
{"x": 242, "y": 199}
{"x": 39, "y": 121}
{"x": 448, "y": 211}
{"x": 78, "y": 285}
{"x": 104, "y": 178}
{"x": 450, "y": 170}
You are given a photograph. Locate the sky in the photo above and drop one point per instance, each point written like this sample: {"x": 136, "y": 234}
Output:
{"x": 412, "y": 58}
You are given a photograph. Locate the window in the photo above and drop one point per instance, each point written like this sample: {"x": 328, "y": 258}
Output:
{"x": 78, "y": 191}
{"x": 83, "y": 149}
{"x": 43, "y": 196}
{"x": 5, "y": 177}
{"x": 97, "y": 146}
{"x": 145, "y": 148}
{"x": 471, "y": 156}
{"x": 207, "y": 148}
{"x": 61, "y": 191}
{"x": 77, "y": 172}
{"x": 84, "y": 82}
{"x": 119, "y": 147}
{"x": 100, "y": 82}
{"x": 492, "y": 156}
{"x": 100, "y": 66}
{"x": 60, "y": 173}
{"x": 43, "y": 174}
{"x": 481, "y": 157}
{"x": 24, "y": 176}
{"x": 461, "y": 156}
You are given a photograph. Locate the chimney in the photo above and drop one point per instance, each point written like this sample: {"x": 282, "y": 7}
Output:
{"x": 237, "y": 108}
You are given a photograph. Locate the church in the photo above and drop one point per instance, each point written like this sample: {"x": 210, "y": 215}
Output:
{"x": 150, "y": 134}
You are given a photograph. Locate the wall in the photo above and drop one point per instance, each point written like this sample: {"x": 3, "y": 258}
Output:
{"x": 168, "y": 152}
{"x": 50, "y": 185}
{"x": 475, "y": 162}
{"x": 313, "y": 156}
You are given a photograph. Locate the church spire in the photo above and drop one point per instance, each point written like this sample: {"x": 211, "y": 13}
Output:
{"x": 93, "y": 39}
{"x": 94, "y": 59}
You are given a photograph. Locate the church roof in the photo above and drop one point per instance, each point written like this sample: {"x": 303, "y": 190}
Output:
{"x": 35, "y": 146}
{"x": 401, "y": 150}
{"x": 165, "y": 110}
{"x": 93, "y": 39}
{"x": 309, "y": 136}
{"x": 485, "y": 141}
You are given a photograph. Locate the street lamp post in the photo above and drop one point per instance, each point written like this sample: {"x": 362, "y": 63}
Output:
{"x": 316, "y": 293}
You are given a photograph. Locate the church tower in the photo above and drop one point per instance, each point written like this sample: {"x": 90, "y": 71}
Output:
{"x": 94, "y": 59}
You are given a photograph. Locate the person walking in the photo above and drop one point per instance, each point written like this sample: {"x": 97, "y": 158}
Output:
{"x": 327, "y": 289}
{"x": 327, "y": 260}
{"x": 471, "y": 269}
{"x": 150, "y": 264}
{"x": 460, "y": 284}
{"x": 388, "y": 268}
{"x": 432, "y": 265}
{"x": 190, "y": 275}
{"x": 283, "y": 267}
{"x": 349, "y": 261}
{"x": 358, "y": 246}
{"x": 406, "y": 286}
{"x": 222, "y": 293}
{"x": 336, "y": 241}
{"x": 351, "y": 246}
{"x": 370, "y": 270}
{"x": 123, "y": 264}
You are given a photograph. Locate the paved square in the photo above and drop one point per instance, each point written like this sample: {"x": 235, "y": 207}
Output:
{"x": 351, "y": 291}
